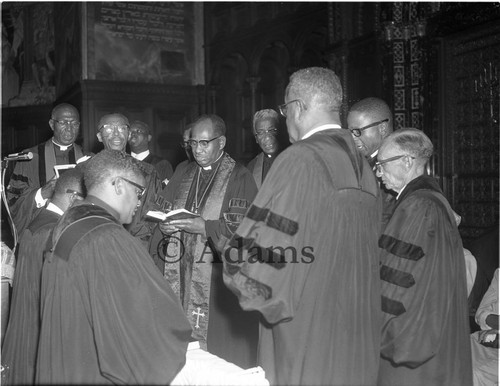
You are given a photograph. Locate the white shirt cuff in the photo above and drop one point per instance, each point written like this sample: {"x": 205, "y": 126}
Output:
{"x": 40, "y": 201}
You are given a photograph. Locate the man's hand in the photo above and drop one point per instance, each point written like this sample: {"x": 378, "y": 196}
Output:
{"x": 167, "y": 229}
{"x": 48, "y": 189}
{"x": 191, "y": 225}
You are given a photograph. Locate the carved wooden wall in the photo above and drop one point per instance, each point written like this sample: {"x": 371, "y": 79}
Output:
{"x": 469, "y": 140}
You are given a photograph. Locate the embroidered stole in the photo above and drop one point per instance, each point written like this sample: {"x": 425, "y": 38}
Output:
{"x": 189, "y": 258}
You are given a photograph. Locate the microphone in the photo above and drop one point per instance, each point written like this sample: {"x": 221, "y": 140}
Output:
{"x": 22, "y": 156}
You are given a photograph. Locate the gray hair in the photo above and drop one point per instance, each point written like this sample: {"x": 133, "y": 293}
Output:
{"x": 411, "y": 141}
{"x": 316, "y": 86}
{"x": 265, "y": 115}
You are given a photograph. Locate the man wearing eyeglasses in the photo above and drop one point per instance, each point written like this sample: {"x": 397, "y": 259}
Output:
{"x": 265, "y": 129}
{"x": 114, "y": 132}
{"x": 220, "y": 191}
{"x": 107, "y": 315}
{"x": 140, "y": 137}
{"x": 20, "y": 346}
{"x": 370, "y": 121}
{"x": 32, "y": 182}
{"x": 314, "y": 224}
{"x": 425, "y": 327}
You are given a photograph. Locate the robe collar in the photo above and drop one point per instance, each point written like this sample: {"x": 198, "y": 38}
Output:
{"x": 419, "y": 183}
{"x": 54, "y": 208}
{"x": 97, "y": 201}
{"x": 321, "y": 128}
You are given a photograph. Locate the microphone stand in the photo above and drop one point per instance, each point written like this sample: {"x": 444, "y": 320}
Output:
{"x": 5, "y": 164}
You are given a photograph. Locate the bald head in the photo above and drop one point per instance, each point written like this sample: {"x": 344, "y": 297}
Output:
{"x": 63, "y": 107}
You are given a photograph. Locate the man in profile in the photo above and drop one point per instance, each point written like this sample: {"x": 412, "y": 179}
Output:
{"x": 305, "y": 255}
{"x": 425, "y": 326}
{"x": 21, "y": 340}
{"x": 140, "y": 137}
{"x": 265, "y": 129}
{"x": 32, "y": 182}
{"x": 370, "y": 122}
{"x": 219, "y": 191}
{"x": 108, "y": 315}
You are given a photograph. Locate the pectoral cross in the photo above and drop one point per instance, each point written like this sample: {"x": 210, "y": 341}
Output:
{"x": 198, "y": 314}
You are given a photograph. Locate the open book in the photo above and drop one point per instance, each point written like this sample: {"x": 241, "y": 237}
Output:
{"x": 176, "y": 214}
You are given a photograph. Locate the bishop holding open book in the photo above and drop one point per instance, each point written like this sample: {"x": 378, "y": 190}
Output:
{"x": 219, "y": 190}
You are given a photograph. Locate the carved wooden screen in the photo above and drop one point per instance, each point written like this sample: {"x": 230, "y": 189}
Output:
{"x": 470, "y": 126}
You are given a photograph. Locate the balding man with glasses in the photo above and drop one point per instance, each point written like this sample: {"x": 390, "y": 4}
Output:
{"x": 425, "y": 326}
{"x": 218, "y": 191}
{"x": 32, "y": 182}
{"x": 265, "y": 130}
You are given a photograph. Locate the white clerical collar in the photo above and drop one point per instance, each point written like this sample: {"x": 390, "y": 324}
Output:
{"x": 321, "y": 128}
{"x": 54, "y": 208}
{"x": 374, "y": 154}
{"x": 209, "y": 167}
{"x": 140, "y": 156}
{"x": 61, "y": 147}
{"x": 401, "y": 191}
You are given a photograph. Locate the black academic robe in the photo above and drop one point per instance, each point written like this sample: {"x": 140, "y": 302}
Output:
{"x": 195, "y": 273}
{"x": 20, "y": 344}
{"x": 162, "y": 166}
{"x": 305, "y": 256}
{"x": 259, "y": 167}
{"x": 29, "y": 176}
{"x": 425, "y": 331}
{"x": 108, "y": 315}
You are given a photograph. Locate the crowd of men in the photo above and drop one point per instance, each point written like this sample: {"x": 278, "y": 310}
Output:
{"x": 336, "y": 261}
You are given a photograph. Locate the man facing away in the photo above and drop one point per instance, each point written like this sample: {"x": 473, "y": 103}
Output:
{"x": 305, "y": 254}
{"x": 114, "y": 132}
{"x": 425, "y": 328}
{"x": 265, "y": 129}
{"x": 108, "y": 315}
{"x": 220, "y": 191}
{"x": 32, "y": 182}
{"x": 370, "y": 121}
{"x": 21, "y": 339}
{"x": 140, "y": 137}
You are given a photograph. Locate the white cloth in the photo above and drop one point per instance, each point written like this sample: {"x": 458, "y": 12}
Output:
{"x": 489, "y": 304}
{"x": 204, "y": 368}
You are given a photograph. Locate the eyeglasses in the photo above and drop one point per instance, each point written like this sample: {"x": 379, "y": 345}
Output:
{"x": 141, "y": 190}
{"x": 71, "y": 191}
{"x": 283, "y": 108}
{"x": 203, "y": 143}
{"x": 110, "y": 129}
{"x": 357, "y": 132}
{"x": 138, "y": 132}
{"x": 379, "y": 164}
{"x": 271, "y": 131}
{"x": 72, "y": 124}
